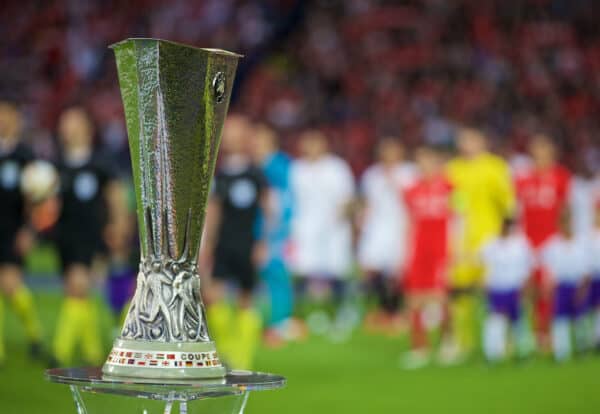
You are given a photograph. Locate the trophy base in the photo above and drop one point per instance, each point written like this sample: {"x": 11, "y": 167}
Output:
{"x": 163, "y": 360}
{"x": 94, "y": 391}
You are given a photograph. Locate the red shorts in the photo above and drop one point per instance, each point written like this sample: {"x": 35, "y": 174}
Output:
{"x": 425, "y": 274}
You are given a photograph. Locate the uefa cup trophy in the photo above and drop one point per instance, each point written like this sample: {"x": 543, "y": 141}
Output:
{"x": 175, "y": 100}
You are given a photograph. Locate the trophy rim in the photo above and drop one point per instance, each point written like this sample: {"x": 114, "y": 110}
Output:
{"x": 217, "y": 51}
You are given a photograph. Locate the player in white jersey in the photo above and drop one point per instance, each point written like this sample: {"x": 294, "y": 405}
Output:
{"x": 509, "y": 261}
{"x": 383, "y": 226}
{"x": 322, "y": 188}
{"x": 568, "y": 259}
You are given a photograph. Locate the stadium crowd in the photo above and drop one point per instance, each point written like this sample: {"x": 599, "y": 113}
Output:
{"x": 447, "y": 149}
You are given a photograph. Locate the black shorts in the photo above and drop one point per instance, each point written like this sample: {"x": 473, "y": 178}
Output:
{"x": 8, "y": 251}
{"x": 235, "y": 265}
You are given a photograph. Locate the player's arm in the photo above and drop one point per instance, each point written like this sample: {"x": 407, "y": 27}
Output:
{"x": 212, "y": 222}
{"x": 115, "y": 195}
{"x": 346, "y": 189}
{"x": 266, "y": 202}
{"x": 585, "y": 283}
{"x": 505, "y": 192}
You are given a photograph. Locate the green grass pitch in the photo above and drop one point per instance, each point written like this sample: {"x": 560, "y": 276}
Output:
{"x": 361, "y": 376}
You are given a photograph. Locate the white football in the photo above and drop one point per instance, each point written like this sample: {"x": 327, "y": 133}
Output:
{"x": 39, "y": 181}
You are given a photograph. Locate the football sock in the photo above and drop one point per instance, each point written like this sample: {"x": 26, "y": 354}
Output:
{"x": 494, "y": 337}
{"x": 22, "y": 304}
{"x": 68, "y": 329}
{"x": 248, "y": 328}
{"x": 220, "y": 319}
{"x": 561, "y": 339}
{"x": 463, "y": 321}
{"x": 91, "y": 340}
{"x": 2, "y": 351}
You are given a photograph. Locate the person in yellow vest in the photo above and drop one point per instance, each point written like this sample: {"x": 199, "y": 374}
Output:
{"x": 483, "y": 198}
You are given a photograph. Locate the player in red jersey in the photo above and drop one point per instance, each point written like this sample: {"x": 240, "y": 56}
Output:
{"x": 542, "y": 193}
{"x": 429, "y": 211}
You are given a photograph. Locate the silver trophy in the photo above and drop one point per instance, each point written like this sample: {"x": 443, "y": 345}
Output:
{"x": 175, "y": 98}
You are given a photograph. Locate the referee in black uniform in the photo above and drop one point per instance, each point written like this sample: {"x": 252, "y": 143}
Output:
{"x": 90, "y": 200}
{"x": 233, "y": 243}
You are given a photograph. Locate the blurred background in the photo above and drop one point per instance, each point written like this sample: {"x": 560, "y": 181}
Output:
{"x": 362, "y": 133}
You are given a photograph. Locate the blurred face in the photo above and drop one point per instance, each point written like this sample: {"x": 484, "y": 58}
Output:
{"x": 390, "y": 151}
{"x": 75, "y": 129}
{"x": 428, "y": 162}
{"x": 10, "y": 121}
{"x": 313, "y": 144}
{"x": 236, "y": 132}
{"x": 471, "y": 142}
{"x": 265, "y": 142}
{"x": 542, "y": 151}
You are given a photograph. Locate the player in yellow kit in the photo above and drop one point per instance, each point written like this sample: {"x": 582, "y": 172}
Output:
{"x": 483, "y": 197}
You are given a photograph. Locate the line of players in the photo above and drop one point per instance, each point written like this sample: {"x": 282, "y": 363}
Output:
{"x": 274, "y": 216}
{"x": 473, "y": 225}
{"x": 441, "y": 231}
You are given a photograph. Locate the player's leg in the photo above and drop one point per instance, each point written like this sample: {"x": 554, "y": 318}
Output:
{"x": 463, "y": 307}
{"x": 494, "y": 337}
{"x": 278, "y": 281}
{"x": 542, "y": 308}
{"x": 518, "y": 325}
{"x": 495, "y": 327}
{"x": 18, "y": 297}
{"x": 248, "y": 327}
{"x": 595, "y": 310}
{"x": 395, "y": 321}
{"x": 582, "y": 322}
{"x": 418, "y": 355}
{"x": 69, "y": 322}
{"x": 561, "y": 324}
{"x": 375, "y": 289}
{"x": 21, "y": 302}
{"x": 247, "y": 323}
{"x": 391, "y": 301}
{"x": 418, "y": 332}
{"x": 219, "y": 312}
{"x": 78, "y": 320}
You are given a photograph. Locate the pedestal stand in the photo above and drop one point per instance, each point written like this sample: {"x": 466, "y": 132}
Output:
{"x": 163, "y": 396}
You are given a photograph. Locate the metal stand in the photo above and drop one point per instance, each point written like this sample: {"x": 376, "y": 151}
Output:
{"x": 162, "y": 396}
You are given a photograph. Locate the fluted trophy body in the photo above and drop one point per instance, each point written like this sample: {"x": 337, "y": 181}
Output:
{"x": 175, "y": 100}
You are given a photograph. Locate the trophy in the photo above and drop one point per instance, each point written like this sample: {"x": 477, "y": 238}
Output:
{"x": 175, "y": 98}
